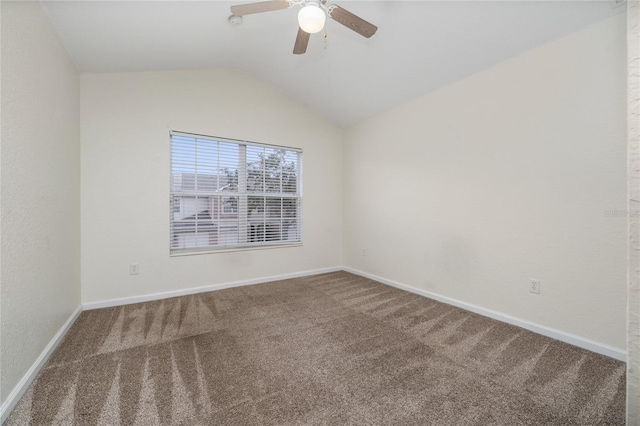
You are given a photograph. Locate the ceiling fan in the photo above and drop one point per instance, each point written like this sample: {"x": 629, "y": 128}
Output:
{"x": 311, "y": 18}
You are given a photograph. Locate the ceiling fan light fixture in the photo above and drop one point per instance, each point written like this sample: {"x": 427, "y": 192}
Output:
{"x": 311, "y": 18}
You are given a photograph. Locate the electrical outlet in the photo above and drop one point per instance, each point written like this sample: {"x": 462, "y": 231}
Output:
{"x": 534, "y": 286}
{"x": 134, "y": 269}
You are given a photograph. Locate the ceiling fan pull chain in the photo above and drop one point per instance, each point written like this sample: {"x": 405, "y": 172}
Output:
{"x": 325, "y": 40}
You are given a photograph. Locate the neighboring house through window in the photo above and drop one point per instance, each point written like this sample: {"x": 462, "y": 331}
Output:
{"x": 231, "y": 194}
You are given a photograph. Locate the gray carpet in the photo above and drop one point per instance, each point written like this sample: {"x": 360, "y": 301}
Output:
{"x": 328, "y": 349}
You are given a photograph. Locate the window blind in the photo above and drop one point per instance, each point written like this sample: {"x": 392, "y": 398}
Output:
{"x": 232, "y": 194}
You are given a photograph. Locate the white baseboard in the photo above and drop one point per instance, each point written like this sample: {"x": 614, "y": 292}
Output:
{"x": 31, "y": 374}
{"x": 572, "y": 339}
{"x": 195, "y": 290}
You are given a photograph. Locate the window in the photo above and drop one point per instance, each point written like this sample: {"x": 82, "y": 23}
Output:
{"x": 176, "y": 205}
{"x": 229, "y": 205}
{"x": 232, "y": 194}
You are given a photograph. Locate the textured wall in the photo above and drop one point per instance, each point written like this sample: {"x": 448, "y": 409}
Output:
{"x": 633, "y": 345}
{"x": 40, "y": 188}
{"x": 126, "y": 120}
{"x": 516, "y": 172}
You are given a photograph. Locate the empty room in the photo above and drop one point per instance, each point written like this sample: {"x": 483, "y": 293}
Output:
{"x": 297, "y": 212}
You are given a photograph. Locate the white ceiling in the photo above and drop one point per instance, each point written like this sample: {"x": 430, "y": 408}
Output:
{"x": 419, "y": 47}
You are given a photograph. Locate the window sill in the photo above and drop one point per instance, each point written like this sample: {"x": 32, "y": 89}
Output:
{"x": 208, "y": 250}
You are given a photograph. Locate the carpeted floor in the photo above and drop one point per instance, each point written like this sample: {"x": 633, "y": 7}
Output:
{"x": 328, "y": 349}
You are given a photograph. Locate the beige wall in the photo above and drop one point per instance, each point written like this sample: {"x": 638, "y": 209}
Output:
{"x": 40, "y": 187}
{"x": 504, "y": 176}
{"x": 633, "y": 345}
{"x": 126, "y": 120}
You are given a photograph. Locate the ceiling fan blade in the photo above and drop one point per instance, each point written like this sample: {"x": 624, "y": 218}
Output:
{"x": 265, "y": 6}
{"x": 351, "y": 21}
{"x": 302, "y": 40}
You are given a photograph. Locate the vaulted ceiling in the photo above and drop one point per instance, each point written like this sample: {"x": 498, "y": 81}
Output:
{"x": 419, "y": 47}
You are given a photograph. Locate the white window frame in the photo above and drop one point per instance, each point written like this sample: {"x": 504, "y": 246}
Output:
{"x": 243, "y": 196}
